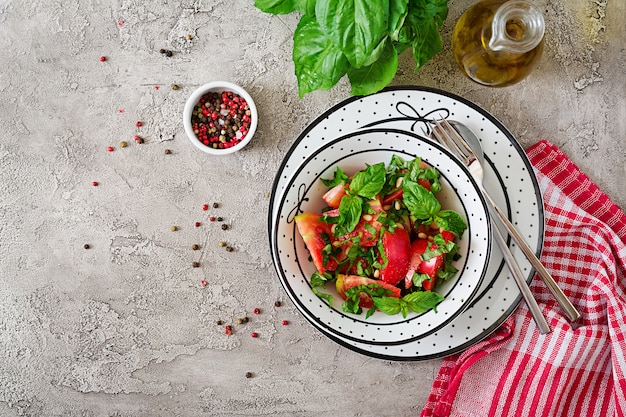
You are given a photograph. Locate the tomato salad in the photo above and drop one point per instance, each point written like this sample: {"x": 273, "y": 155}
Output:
{"x": 383, "y": 238}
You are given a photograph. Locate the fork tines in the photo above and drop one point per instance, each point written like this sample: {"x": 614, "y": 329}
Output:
{"x": 447, "y": 135}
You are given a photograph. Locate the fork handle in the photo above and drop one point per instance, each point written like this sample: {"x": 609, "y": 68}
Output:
{"x": 570, "y": 311}
{"x": 534, "y": 308}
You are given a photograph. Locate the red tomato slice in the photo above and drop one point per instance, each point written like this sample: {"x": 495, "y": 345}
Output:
{"x": 448, "y": 236}
{"x": 345, "y": 282}
{"x": 418, "y": 247}
{"x": 397, "y": 194}
{"x": 311, "y": 229}
{"x": 392, "y": 196}
{"x": 333, "y": 196}
{"x": 430, "y": 268}
{"x": 397, "y": 247}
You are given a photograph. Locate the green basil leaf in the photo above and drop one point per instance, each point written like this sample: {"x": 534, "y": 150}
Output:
{"x": 339, "y": 178}
{"x": 438, "y": 249}
{"x": 275, "y": 6}
{"x": 373, "y": 78}
{"x": 376, "y": 53}
{"x": 421, "y": 301}
{"x": 388, "y": 305}
{"x": 319, "y": 64}
{"x": 350, "y": 209}
{"x": 398, "y": 10}
{"x": 369, "y": 182}
{"x": 447, "y": 271}
{"x": 451, "y": 220}
{"x": 320, "y": 280}
{"x": 418, "y": 279}
{"x": 421, "y": 203}
{"x": 424, "y": 20}
{"x": 305, "y": 6}
{"x": 356, "y": 27}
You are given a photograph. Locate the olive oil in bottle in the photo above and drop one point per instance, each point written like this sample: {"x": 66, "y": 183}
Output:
{"x": 497, "y": 42}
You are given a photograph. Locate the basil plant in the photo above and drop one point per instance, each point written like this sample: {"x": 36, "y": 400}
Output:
{"x": 359, "y": 38}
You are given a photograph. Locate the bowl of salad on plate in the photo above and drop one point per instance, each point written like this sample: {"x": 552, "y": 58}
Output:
{"x": 380, "y": 236}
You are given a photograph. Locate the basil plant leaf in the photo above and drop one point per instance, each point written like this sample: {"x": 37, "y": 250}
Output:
{"x": 305, "y": 6}
{"x": 276, "y": 6}
{"x": 373, "y": 78}
{"x": 319, "y": 64}
{"x": 355, "y": 26}
{"x": 423, "y": 22}
{"x": 369, "y": 182}
{"x": 398, "y": 10}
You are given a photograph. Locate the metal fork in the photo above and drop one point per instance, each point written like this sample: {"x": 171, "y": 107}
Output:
{"x": 472, "y": 157}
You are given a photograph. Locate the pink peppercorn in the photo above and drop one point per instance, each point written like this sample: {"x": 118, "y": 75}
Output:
{"x": 285, "y": 322}
{"x": 138, "y": 124}
{"x": 255, "y": 334}
{"x": 257, "y": 311}
{"x": 212, "y": 218}
{"x": 95, "y": 183}
{"x": 103, "y": 58}
{"x": 205, "y": 207}
{"x": 110, "y": 149}
{"x": 203, "y": 282}
{"x": 197, "y": 224}
{"x": 228, "y": 330}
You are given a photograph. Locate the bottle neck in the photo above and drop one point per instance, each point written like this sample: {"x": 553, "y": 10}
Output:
{"x": 518, "y": 27}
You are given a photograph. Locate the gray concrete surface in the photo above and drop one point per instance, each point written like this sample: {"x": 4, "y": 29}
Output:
{"x": 125, "y": 328}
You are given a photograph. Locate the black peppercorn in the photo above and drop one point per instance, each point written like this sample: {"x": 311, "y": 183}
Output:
{"x": 224, "y": 226}
{"x": 248, "y": 374}
{"x": 195, "y": 247}
{"x": 215, "y": 205}
{"x": 86, "y": 246}
{"x": 195, "y": 264}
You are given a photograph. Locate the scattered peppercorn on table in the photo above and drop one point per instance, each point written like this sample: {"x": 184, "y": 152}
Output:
{"x": 136, "y": 276}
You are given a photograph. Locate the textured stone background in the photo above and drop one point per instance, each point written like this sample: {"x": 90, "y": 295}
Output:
{"x": 125, "y": 328}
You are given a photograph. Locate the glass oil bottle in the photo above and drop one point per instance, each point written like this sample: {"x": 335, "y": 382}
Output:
{"x": 497, "y": 42}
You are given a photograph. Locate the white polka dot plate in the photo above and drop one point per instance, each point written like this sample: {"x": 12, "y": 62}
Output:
{"x": 509, "y": 178}
{"x": 351, "y": 153}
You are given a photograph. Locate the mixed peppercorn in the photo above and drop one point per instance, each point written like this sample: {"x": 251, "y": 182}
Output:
{"x": 221, "y": 120}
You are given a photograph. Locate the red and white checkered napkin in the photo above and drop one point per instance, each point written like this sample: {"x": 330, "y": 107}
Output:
{"x": 518, "y": 372}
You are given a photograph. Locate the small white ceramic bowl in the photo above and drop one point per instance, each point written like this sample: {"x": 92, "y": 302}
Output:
{"x": 218, "y": 87}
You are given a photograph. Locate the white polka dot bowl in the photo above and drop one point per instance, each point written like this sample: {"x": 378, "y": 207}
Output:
{"x": 303, "y": 192}
{"x": 220, "y": 118}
